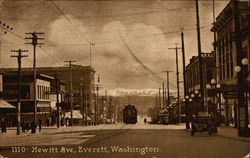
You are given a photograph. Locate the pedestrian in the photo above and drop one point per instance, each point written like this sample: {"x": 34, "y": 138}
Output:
{"x": 32, "y": 126}
{"x": 40, "y": 125}
{"x": 27, "y": 126}
{"x": 47, "y": 122}
{"x": 62, "y": 121}
{"x": 145, "y": 121}
{"x": 23, "y": 127}
{"x": 4, "y": 130}
{"x": 67, "y": 121}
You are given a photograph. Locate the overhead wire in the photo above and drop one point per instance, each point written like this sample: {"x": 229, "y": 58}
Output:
{"x": 145, "y": 36}
{"x": 46, "y": 52}
{"x": 83, "y": 36}
{"x": 141, "y": 63}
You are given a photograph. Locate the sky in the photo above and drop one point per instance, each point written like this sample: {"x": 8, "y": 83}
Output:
{"x": 131, "y": 39}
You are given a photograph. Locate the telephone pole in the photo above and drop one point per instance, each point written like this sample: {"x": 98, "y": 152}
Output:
{"x": 163, "y": 94}
{"x": 19, "y": 60}
{"x": 57, "y": 100}
{"x": 86, "y": 104}
{"x": 83, "y": 102}
{"x": 159, "y": 98}
{"x": 168, "y": 93}
{"x": 90, "y": 53}
{"x": 34, "y": 41}
{"x": 71, "y": 90}
{"x": 97, "y": 105}
{"x": 184, "y": 78}
{"x": 178, "y": 82}
{"x": 199, "y": 56}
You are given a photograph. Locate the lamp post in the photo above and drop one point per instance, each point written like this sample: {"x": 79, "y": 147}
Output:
{"x": 214, "y": 86}
{"x": 186, "y": 100}
{"x": 193, "y": 104}
{"x": 242, "y": 108}
{"x": 195, "y": 98}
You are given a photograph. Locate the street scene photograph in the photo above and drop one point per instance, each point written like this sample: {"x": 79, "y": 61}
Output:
{"x": 124, "y": 79}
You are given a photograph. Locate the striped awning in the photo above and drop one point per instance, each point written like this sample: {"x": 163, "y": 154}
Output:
{"x": 5, "y": 105}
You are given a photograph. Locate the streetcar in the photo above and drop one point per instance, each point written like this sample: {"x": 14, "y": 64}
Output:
{"x": 129, "y": 114}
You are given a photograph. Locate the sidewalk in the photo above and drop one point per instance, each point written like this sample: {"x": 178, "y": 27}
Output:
{"x": 50, "y": 136}
{"x": 11, "y": 131}
{"x": 231, "y": 133}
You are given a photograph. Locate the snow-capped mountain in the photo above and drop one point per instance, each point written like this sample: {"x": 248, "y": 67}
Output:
{"x": 132, "y": 92}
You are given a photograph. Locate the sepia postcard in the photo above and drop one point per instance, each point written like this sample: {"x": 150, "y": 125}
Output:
{"x": 124, "y": 78}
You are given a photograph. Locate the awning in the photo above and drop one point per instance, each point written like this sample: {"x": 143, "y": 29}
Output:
{"x": 76, "y": 115}
{"x": 5, "y": 105}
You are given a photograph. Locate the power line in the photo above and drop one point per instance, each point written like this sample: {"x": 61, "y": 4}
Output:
{"x": 70, "y": 21}
{"x": 205, "y": 5}
{"x": 15, "y": 34}
{"x": 140, "y": 62}
{"x": 145, "y": 36}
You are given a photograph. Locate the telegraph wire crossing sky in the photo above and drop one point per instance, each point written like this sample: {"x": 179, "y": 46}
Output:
{"x": 135, "y": 61}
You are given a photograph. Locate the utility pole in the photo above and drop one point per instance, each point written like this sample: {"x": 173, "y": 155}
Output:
{"x": 81, "y": 90}
{"x": 71, "y": 90}
{"x": 97, "y": 106}
{"x": 19, "y": 58}
{"x": 163, "y": 98}
{"x": 34, "y": 42}
{"x": 110, "y": 107}
{"x": 199, "y": 56}
{"x": 178, "y": 82}
{"x": 90, "y": 53}
{"x": 215, "y": 43}
{"x": 57, "y": 100}
{"x": 168, "y": 93}
{"x": 106, "y": 106}
{"x": 184, "y": 78}
{"x": 86, "y": 104}
{"x": 159, "y": 98}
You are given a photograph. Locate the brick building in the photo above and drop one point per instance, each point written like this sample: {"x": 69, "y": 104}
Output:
{"x": 193, "y": 77}
{"x": 82, "y": 85}
{"x": 226, "y": 57}
{"x": 9, "y": 94}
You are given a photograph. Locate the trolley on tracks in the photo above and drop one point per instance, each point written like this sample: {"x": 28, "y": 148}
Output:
{"x": 129, "y": 114}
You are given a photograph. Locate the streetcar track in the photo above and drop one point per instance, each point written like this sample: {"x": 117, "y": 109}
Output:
{"x": 89, "y": 143}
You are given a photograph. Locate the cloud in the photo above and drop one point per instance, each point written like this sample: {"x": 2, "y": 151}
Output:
{"x": 137, "y": 70}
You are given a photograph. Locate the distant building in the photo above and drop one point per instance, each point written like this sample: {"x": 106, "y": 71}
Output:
{"x": 226, "y": 57}
{"x": 82, "y": 85}
{"x": 193, "y": 77}
{"x": 10, "y": 92}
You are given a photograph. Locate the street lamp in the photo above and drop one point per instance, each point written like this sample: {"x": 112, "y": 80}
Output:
{"x": 242, "y": 93}
{"x": 245, "y": 61}
{"x": 187, "y": 111}
{"x": 237, "y": 68}
{"x": 214, "y": 86}
{"x": 196, "y": 91}
{"x": 194, "y": 97}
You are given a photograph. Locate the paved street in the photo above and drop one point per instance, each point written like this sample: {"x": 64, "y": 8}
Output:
{"x": 122, "y": 141}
